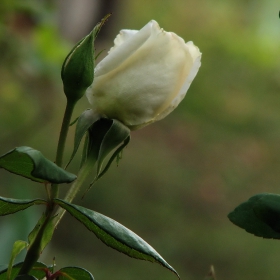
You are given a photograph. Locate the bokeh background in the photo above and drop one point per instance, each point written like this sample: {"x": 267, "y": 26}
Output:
{"x": 180, "y": 177}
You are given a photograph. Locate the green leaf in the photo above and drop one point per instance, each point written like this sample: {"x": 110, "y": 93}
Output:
{"x": 37, "y": 271}
{"x": 260, "y": 215}
{"x": 74, "y": 273}
{"x": 19, "y": 245}
{"x": 11, "y": 205}
{"x": 85, "y": 120}
{"x": 114, "y": 234}
{"x": 47, "y": 234}
{"x": 30, "y": 163}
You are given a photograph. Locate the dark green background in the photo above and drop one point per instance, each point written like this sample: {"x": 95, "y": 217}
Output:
{"x": 180, "y": 177}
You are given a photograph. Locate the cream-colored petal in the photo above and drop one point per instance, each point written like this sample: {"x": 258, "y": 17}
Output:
{"x": 142, "y": 83}
{"x": 120, "y": 54}
{"x": 123, "y": 36}
{"x": 144, "y": 77}
{"x": 196, "y": 55}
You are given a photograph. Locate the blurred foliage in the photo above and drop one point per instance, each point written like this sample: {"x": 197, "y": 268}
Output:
{"x": 178, "y": 178}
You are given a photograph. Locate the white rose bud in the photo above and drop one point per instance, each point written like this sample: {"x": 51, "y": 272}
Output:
{"x": 144, "y": 76}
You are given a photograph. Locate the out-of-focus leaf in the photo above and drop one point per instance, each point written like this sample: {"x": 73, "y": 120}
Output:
{"x": 11, "y": 205}
{"x": 19, "y": 245}
{"x": 37, "y": 271}
{"x": 260, "y": 215}
{"x": 211, "y": 274}
{"x": 30, "y": 163}
{"x": 25, "y": 277}
{"x": 114, "y": 234}
{"x": 74, "y": 273}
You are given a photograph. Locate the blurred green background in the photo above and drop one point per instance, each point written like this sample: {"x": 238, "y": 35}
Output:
{"x": 180, "y": 177}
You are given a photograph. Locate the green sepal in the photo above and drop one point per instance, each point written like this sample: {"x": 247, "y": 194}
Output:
{"x": 38, "y": 271}
{"x": 84, "y": 122}
{"x": 114, "y": 235}
{"x": 75, "y": 273}
{"x": 117, "y": 134}
{"x": 260, "y": 215}
{"x": 84, "y": 151}
{"x": 18, "y": 246}
{"x": 104, "y": 137}
{"x": 47, "y": 233}
{"x": 12, "y": 205}
{"x": 115, "y": 155}
{"x": 30, "y": 163}
{"x": 78, "y": 67}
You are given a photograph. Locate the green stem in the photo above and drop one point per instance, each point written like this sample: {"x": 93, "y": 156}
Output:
{"x": 63, "y": 132}
{"x": 61, "y": 142}
{"x": 34, "y": 251}
{"x": 83, "y": 174}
